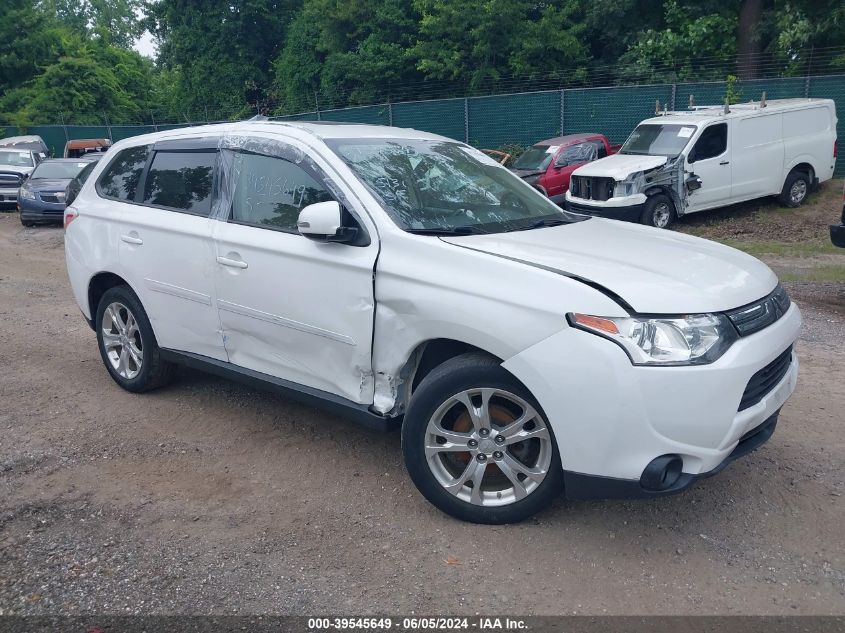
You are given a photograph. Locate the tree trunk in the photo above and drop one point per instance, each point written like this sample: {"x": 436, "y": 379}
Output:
{"x": 748, "y": 42}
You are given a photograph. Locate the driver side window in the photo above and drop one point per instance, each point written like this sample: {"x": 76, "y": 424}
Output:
{"x": 712, "y": 142}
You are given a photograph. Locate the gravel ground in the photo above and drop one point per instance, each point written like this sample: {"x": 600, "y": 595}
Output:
{"x": 209, "y": 497}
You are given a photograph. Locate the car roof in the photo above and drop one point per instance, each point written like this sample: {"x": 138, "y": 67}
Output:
{"x": 85, "y": 158}
{"x": 323, "y": 130}
{"x": 706, "y": 114}
{"x": 568, "y": 139}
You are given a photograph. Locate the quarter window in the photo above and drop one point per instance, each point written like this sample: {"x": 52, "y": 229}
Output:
{"x": 181, "y": 181}
{"x": 712, "y": 142}
{"x": 270, "y": 192}
{"x": 120, "y": 179}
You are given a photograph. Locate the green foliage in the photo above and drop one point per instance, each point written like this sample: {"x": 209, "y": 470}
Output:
{"x": 733, "y": 93}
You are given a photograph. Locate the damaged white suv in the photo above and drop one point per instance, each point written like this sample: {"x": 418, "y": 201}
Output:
{"x": 396, "y": 276}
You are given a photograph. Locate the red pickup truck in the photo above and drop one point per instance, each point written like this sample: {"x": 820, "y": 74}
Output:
{"x": 547, "y": 165}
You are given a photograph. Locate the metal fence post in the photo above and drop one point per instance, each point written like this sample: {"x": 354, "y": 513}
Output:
{"x": 317, "y": 105}
{"x": 466, "y": 120}
{"x": 390, "y": 113}
{"x": 153, "y": 119}
{"x": 674, "y": 92}
{"x": 807, "y": 87}
{"x": 108, "y": 126}
{"x": 561, "y": 110}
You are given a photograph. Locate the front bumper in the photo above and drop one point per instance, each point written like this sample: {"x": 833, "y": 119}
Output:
{"x": 629, "y": 209}
{"x": 8, "y": 196}
{"x": 837, "y": 235}
{"x": 611, "y": 419}
{"x": 38, "y": 210}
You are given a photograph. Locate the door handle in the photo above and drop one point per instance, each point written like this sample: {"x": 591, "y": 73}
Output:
{"x": 131, "y": 239}
{"x": 725, "y": 162}
{"x": 233, "y": 263}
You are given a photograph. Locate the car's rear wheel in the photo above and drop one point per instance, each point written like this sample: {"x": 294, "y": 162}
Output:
{"x": 477, "y": 445}
{"x": 127, "y": 344}
{"x": 659, "y": 211}
{"x": 795, "y": 189}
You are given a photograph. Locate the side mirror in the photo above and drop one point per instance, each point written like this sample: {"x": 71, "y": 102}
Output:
{"x": 323, "y": 222}
{"x": 693, "y": 183}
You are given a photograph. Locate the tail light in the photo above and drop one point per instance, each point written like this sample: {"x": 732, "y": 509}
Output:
{"x": 70, "y": 215}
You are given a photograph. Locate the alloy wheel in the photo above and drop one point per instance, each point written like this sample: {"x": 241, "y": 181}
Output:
{"x": 661, "y": 215}
{"x": 798, "y": 192}
{"x": 488, "y": 447}
{"x": 122, "y": 340}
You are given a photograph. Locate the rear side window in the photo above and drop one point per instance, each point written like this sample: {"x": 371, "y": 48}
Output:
{"x": 181, "y": 181}
{"x": 120, "y": 179}
{"x": 270, "y": 192}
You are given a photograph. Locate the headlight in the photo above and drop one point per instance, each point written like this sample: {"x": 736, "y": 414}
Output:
{"x": 26, "y": 193}
{"x": 628, "y": 187}
{"x": 695, "y": 339}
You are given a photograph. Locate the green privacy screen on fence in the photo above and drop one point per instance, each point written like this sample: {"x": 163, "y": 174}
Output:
{"x": 523, "y": 118}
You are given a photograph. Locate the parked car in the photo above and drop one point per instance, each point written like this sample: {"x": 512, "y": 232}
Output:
{"x": 82, "y": 146}
{"x": 837, "y": 231}
{"x": 547, "y": 165}
{"x": 397, "y": 276}
{"x": 15, "y": 167}
{"x": 705, "y": 158}
{"x": 42, "y": 196}
{"x": 30, "y": 142}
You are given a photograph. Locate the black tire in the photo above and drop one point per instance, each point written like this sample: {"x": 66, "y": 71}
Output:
{"x": 801, "y": 182}
{"x": 27, "y": 223}
{"x": 655, "y": 210}
{"x": 154, "y": 371}
{"x": 466, "y": 372}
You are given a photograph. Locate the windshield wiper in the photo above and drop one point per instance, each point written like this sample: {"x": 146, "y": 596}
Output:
{"x": 540, "y": 224}
{"x": 455, "y": 230}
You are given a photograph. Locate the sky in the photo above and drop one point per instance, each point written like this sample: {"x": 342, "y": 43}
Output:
{"x": 146, "y": 45}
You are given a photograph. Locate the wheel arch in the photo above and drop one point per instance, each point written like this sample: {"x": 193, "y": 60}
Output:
{"x": 427, "y": 356}
{"x": 97, "y": 287}
{"x": 801, "y": 164}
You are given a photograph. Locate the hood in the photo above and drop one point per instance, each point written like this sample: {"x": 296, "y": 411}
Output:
{"x": 48, "y": 184}
{"x": 524, "y": 173}
{"x": 15, "y": 169}
{"x": 652, "y": 270}
{"x": 619, "y": 166}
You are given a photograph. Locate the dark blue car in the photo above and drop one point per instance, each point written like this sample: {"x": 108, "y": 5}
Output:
{"x": 42, "y": 197}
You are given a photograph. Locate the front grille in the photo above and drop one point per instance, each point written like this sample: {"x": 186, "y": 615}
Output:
{"x": 51, "y": 197}
{"x": 10, "y": 179}
{"x": 760, "y": 314}
{"x": 591, "y": 188}
{"x": 765, "y": 380}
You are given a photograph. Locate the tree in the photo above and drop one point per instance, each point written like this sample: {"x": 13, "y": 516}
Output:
{"x": 29, "y": 40}
{"x": 223, "y": 51}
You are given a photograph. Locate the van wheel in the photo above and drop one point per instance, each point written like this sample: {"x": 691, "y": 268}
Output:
{"x": 127, "y": 344}
{"x": 795, "y": 189}
{"x": 477, "y": 445}
{"x": 659, "y": 211}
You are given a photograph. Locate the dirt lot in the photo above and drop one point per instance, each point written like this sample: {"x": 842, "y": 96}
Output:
{"x": 208, "y": 497}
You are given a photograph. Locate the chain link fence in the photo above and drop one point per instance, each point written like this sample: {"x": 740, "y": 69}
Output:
{"x": 519, "y": 118}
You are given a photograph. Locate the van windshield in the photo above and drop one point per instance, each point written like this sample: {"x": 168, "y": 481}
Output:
{"x": 442, "y": 186}
{"x": 658, "y": 140}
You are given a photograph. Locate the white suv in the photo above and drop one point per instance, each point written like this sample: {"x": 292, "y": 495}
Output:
{"x": 398, "y": 276}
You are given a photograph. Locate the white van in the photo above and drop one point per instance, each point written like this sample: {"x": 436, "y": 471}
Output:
{"x": 709, "y": 157}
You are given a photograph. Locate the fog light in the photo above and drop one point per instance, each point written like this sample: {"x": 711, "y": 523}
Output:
{"x": 661, "y": 473}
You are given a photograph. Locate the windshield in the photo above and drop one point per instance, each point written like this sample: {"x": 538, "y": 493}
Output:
{"x": 16, "y": 159}
{"x": 658, "y": 140}
{"x": 537, "y": 157}
{"x": 59, "y": 169}
{"x": 430, "y": 185}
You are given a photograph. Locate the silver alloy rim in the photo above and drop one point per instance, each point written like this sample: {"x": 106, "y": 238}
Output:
{"x": 501, "y": 459}
{"x": 798, "y": 191}
{"x": 661, "y": 215}
{"x": 122, "y": 340}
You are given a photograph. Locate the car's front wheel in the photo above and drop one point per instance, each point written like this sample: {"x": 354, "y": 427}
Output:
{"x": 658, "y": 211}
{"x": 127, "y": 344}
{"x": 477, "y": 445}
